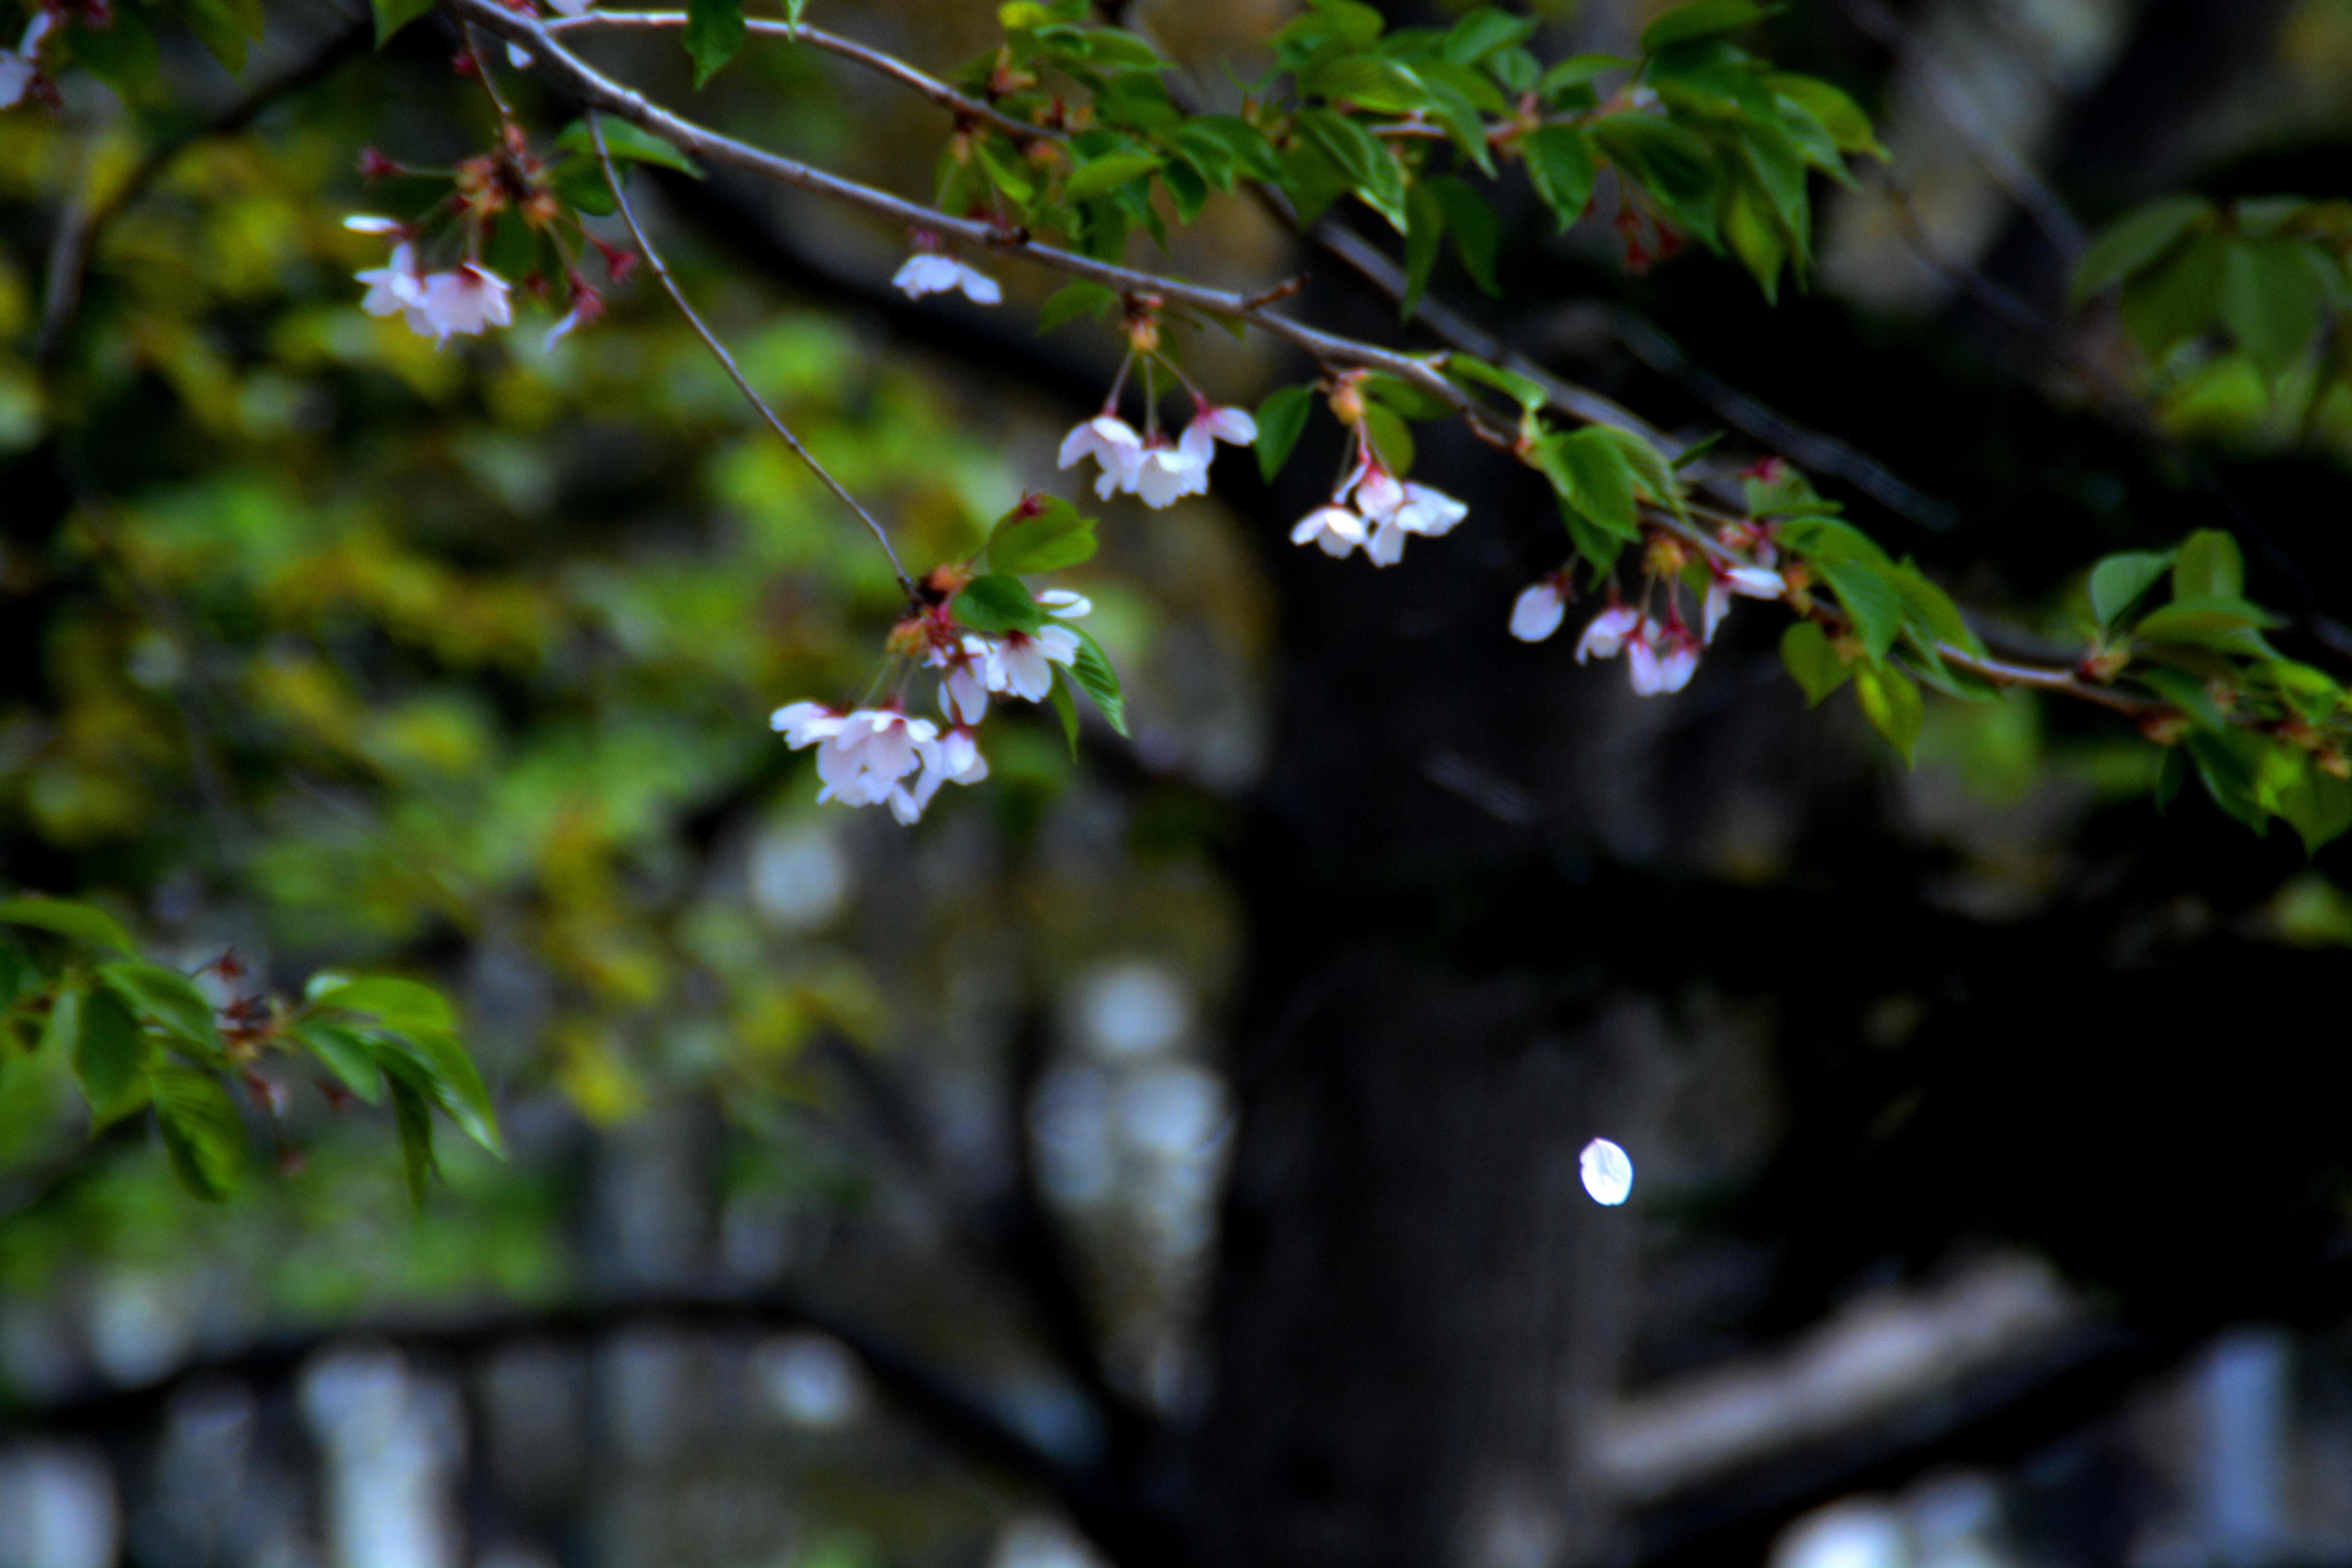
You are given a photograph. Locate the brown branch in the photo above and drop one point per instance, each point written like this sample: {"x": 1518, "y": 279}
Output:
{"x": 873, "y": 59}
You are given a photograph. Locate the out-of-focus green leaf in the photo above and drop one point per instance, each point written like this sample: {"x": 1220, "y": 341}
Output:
{"x": 1560, "y": 167}
{"x": 2135, "y": 241}
{"x": 168, "y": 999}
{"x": 2207, "y": 565}
{"x": 201, "y": 1130}
{"x": 343, "y": 1052}
{"x": 628, "y": 145}
{"x": 998, "y": 604}
{"x": 1280, "y": 419}
{"x": 110, "y": 1055}
{"x": 714, "y": 34}
{"x": 78, "y": 922}
{"x": 391, "y": 15}
{"x": 1814, "y": 663}
{"x": 1043, "y": 533}
{"x": 1892, "y": 703}
{"x": 2119, "y": 579}
{"x": 414, "y": 1117}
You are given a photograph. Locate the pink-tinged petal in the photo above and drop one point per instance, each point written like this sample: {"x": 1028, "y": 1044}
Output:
{"x": 1430, "y": 513}
{"x": 1386, "y": 546}
{"x": 1064, "y": 604}
{"x": 1057, "y": 643}
{"x": 978, "y": 287}
{"x": 1605, "y": 634}
{"x": 1335, "y": 528}
{"x": 1756, "y": 583}
{"x": 925, "y": 272}
{"x": 1077, "y": 445}
{"x": 1676, "y": 667}
{"x": 1537, "y": 612}
{"x": 1377, "y": 494}
{"x": 1233, "y": 426}
{"x": 1642, "y": 667}
{"x": 959, "y": 756}
{"x": 1717, "y": 605}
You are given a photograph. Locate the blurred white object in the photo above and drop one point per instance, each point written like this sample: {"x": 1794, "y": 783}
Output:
{"x": 2242, "y": 1456}
{"x": 1858, "y": 1533}
{"x": 1133, "y": 1010}
{"x": 799, "y": 877}
{"x": 56, "y": 1509}
{"x": 1608, "y": 1171}
{"x": 813, "y": 1381}
{"x": 393, "y": 1442}
{"x": 1038, "y": 1542}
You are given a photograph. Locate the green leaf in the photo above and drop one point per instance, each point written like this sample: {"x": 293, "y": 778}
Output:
{"x": 2270, "y": 303}
{"x": 1424, "y": 236}
{"x": 1106, "y": 173}
{"x": 78, "y": 922}
{"x": 1390, "y": 436}
{"x": 122, "y": 54}
{"x": 223, "y": 27}
{"x": 1366, "y": 81}
{"x": 1698, "y": 21}
{"x": 1576, "y": 70}
{"x": 2208, "y": 566}
{"x": 1812, "y": 660}
{"x": 1522, "y": 390}
{"x": 2179, "y": 298}
{"x": 1476, "y": 235}
{"x": 1891, "y": 702}
{"x": 1093, "y": 671}
{"x": 201, "y": 1128}
{"x": 1408, "y": 399}
{"x": 1757, "y": 240}
{"x": 2119, "y": 581}
{"x": 1015, "y": 183}
{"x": 1590, "y": 473}
{"x": 1280, "y": 419}
{"x": 1670, "y": 161}
{"x": 1482, "y": 32}
{"x": 415, "y": 1119}
{"x": 997, "y": 604}
{"x": 2136, "y": 241}
{"x": 1075, "y": 299}
{"x": 714, "y": 33}
{"x": 2319, "y": 806}
{"x": 1560, "y": 167}
{"x": 446, "y": 1075}
{"x": 1043, "y": 533}
{"x": 2205, "y": 613}
{"x": 1839, "y": 115}
{"x": 168, "y": 999}
{"x": 628, "y": 145}
{"x": 397, "y": 1004}
{"x": 1875, "y": 603}
{"x": 1067, "y": 707}
{"x": 391, "y": 15}
{"x": 109, "y": 1055}
{"x": 1371, "y": 172}
{"x": 343, "y": 1052}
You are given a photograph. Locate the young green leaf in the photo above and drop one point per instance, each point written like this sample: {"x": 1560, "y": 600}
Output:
{"x": 1476, "y": 235}
{"x": 1424, "y": 238}
{"x": 714, "y": 33}
{"x": 1560, "y": 167}
{"x": 1280, "y": 419}
{"x": 2119, "y": 581}
{"x": 1527, "y": 393}
{"x": 998, "y": 604}
{"x": 1067, "y": 706}
{"x": 1891, "y": 702}
{"x": 415, "y": 1119}
{"x": 1848, "y": 126}
{"x": 201, "y": 1130}
{"x": 2179, "y": 298}
{"x": 1106, "y": 173}
{"x": 2208, "y": 566}
{"x": 1590, "y": 473}
{"x": 1698, "y": 20}
{"x": 78, "y": 922}
{"x": 343, "y": 1052}
{"x": 2134, "y": 242}
{"x": 1092, "y": 669}
{"x": 627, "y": 144}
{"x": 2317, "y": 805}
{"x": 1812, "y": 662}
{"x": 110, "y": 1055}
{"x": 1075, "y": 299}
{"x": 167, "y": 999}
{"x": 393, "y": 1003}
{"x": 1043, "y": 533}
{"x": 2271, "y": 303}
{"x": 446, "y": 1076}
{"x": 1391, "y": 438}
{"x": 1870, "y": 598}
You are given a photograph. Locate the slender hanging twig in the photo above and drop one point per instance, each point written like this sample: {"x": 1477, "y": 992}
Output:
{"x": 727, "y": 361}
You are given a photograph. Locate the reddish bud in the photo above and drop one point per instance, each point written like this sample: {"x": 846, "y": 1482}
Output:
{"x": 375, "y": 166}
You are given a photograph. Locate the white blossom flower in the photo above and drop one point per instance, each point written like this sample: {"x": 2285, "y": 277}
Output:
{"x": 1427, "y": 511}
{"x": 1166, "y": 473}
{"x": 929, "y": 272}
{"x": 963, "y": 690}
{"x": 960, "y": 758}
{"x": 1748, "y": 581}
{"x": 866, "y": 761}
{"x": 1064, "y": 604}
{"x": 1661, "y": 659}
{"x": 1211, "y": 424}
{"x": 468, "y": 300}
{"x": 1607, "y": 1171}
{"x": 1333, "y": 529}
{"x": 1607, "y": 632}
{"x": 1113, "y": 443}
{"x": 396, "y": 288}
{"x": 801, "y": 723}
{"x": 1537, "y": 613}
{"x": 21, "y": 65}
{"x": 1386, "y": 546}
{"x": 1022, "y": 662}
{"x": 1377, "y": 492}
{"x": 369, "y": 223}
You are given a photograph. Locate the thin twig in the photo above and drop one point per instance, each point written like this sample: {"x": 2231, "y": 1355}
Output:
{"x": 873, "y": 60}
{"x": 727, "y": 361}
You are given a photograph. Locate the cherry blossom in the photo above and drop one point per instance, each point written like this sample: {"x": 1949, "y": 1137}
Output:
{"x": 21, "y": 66}
{"x": 930, "y": 273}
{"x": 468, "y": 300}
{"x": 879, "y": 756}
{"x": 1541, "y": 605}
{"x": 1166, "y": 473}
{"x": 1211, "y": 424}
{"x": 369, "y": 223}
{"x": 963, "y": 690}
{"x": 1661, "y": 659}
{"x": 1022, "y": 662}
{"x": 960, "y": 758}
{"x": 1607, "y": 1172}
{"x": 1747, "y": 582}
{"x": 802, "y": 723}
{"x": 1333, "y": 529}
{"x": 1607, "y": 632}
{"x": 1113, "y": 443}
{"x": 1386, "y": 510}
{"x": 397, "y": 288}
{"x": 1429, "y": 512}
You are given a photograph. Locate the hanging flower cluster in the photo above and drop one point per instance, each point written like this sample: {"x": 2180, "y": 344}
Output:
{"x": 1371, "y": 508}
{"x": 466, "y": 298}
{"x": 20, "y": 67}
{"x": 879, "y": 755}
{"x": 1661, "y": 650}
{"x": 1148, "y": 464}
{"x": 934, "y": 269}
